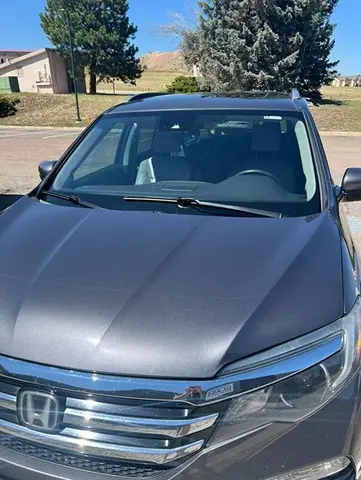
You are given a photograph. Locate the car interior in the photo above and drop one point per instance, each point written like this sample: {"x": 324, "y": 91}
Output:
{"x": 257, "y": 159}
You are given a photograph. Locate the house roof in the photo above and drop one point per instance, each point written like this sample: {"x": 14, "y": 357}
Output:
{"x": 348, "y": 77}
{"x": 20, "y": 60}
{"x": 9, "y": 50}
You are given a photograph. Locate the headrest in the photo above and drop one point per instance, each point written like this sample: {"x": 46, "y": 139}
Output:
{"x": 167, "y": 142}
{"x": 266, "y": 137}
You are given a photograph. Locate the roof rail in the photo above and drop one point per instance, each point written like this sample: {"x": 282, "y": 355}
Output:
{"x": 141, "y": 96}
{"x": 295, "y": 94}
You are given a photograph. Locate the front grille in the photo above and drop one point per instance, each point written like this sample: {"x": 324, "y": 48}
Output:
{"x": 73, "y": 461}
{"x": 105, "y": 434}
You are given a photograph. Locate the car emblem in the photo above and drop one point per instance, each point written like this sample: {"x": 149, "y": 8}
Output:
{"x": 39, "y": 411}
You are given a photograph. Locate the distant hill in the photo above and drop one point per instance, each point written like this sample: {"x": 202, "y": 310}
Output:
{"x": 164, "y": 61}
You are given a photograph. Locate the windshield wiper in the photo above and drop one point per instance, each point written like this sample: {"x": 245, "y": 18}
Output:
{"x": 184, "y": 202}
{"x": 70, "y": 198}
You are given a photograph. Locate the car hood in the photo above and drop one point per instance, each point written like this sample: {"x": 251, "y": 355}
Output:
{"x": 156, "y": 294}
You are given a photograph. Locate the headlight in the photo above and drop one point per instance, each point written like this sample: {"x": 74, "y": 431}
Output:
{"x": 299, "y": 396}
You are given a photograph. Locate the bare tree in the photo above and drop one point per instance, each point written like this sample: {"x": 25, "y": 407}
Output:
{"x": 185, "y": 29}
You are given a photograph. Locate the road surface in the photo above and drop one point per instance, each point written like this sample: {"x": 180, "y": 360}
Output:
{"x": 21, "y": 150}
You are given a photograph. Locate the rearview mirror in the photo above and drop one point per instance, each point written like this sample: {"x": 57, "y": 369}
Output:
{"x": 45, "y": 168}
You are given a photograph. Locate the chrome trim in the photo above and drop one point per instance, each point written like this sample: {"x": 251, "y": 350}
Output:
{"x": 93, "y": 448}
{"x": 259, "y": 371}
{"x": 114, "y": 439}
{"x": 7, "y": 402}
{"x": 318, "y": 471}
{"x": 145, "y": 410}
{"x": 147, "y": 426}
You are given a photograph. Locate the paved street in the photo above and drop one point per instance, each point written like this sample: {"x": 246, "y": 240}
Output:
{"x": 344, "y": 152}
{"x": 21, "y": 150}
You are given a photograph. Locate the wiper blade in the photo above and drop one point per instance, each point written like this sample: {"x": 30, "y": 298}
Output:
{"x": 70, "y": 198}
{"x": 184, "y": 202}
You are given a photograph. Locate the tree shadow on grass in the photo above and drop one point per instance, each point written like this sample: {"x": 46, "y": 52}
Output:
{"x": 328, "y": 101}
{"x": 107, "y": 94}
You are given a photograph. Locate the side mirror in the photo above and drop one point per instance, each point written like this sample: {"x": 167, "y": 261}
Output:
{"x": 351, "y": 185}
{"x": 45, "y": 168}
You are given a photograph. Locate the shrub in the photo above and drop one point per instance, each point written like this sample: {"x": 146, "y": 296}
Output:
{"x": 8, "y": 105}
{"x": 183, "y": 84}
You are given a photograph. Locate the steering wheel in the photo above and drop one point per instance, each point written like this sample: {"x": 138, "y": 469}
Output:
{"x": 259, "y": 172}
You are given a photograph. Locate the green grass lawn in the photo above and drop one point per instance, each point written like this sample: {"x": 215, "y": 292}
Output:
{"x": 151, "y": 81}
{"x": 59, "y": 110}
{"x": 340, "y": 109}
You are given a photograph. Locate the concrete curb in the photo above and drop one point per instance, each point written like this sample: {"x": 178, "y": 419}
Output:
{"x": 28, "y": 127}
{"x": 340, "y": 134}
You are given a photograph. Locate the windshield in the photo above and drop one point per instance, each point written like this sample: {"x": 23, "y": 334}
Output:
{"x": 261, "y": 160}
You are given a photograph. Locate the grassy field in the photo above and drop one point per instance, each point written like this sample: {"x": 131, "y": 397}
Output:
{"x": 151, "y": 81}
{"x": 340, "y": 109}
{"x": 59, "y": 110}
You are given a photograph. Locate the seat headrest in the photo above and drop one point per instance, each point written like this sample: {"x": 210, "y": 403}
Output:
{"x": 167, "y": 142}
{"x": 266, "y": 137}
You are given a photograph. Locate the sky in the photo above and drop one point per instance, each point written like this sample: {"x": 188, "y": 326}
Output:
{"x": 23, "y": 31}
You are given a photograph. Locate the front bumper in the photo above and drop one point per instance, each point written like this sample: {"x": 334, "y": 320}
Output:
{"x": 332, "y": 432}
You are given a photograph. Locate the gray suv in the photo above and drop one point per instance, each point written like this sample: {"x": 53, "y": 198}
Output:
{"x": 179, "y": 299}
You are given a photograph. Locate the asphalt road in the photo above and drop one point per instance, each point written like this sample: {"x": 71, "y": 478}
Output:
{"x": 21, "y": 150}
{"x": 343, "y": 152}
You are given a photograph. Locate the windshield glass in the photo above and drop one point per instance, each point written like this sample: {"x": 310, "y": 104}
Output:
{"x": 261, "y": 160}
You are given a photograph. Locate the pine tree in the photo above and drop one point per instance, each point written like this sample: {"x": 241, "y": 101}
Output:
{"x": 102, "y": 35}
{"x": 266, "y": 44}
{"x": 312, "y": 20}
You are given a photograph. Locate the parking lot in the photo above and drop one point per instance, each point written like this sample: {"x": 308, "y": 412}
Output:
{"x": 21, "y": 150}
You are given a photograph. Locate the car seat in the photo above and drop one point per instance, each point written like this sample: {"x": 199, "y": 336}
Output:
{"x": 167, "y": 163}
{"x": 267, "y": 154}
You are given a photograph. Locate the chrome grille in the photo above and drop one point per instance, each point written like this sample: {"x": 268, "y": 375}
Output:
{"x": 91, "y": 416}
{"x": 7, "y": 402}
{"x": 126, "y": 420}
{"x": 73, "y": 461}
{"x": 112, "y": 429}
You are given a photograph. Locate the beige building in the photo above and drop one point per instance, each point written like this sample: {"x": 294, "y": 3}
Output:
{"x": 6, "y": 55}
{"x": 352, "y": 81}
{"x": 196, "y": 71}
{"x": 40, "y": 71}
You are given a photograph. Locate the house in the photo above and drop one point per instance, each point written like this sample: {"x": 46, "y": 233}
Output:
{"x": 6, "y": 55}
{"x": 40, "y": 71}
{"x": 196, "y": 71}
{"x": 351, "y": 81}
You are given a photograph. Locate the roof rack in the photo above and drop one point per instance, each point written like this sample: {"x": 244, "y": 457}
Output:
{"x": 295, "y": 94}
{"x": 141, "y": 96}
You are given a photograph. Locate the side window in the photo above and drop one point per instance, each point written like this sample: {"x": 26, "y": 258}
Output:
{"x": 146, "y": 134}
{"x": 103, "y": 153}
{"x": 130, "y": 145}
